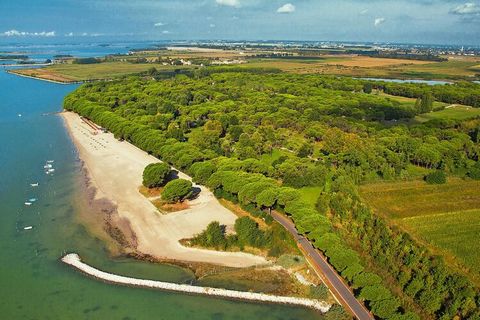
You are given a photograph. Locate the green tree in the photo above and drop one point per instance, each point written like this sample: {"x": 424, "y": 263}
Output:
{"x": 367, "y": 88}
{"x": 323, "y": 203}
{"x": 365, "y": 279}
{"x": 248, "y": 232}
{"x": 375, "y": 293}
{"x": 426, "y": 103}
{"x": 305, "y": 150}
{"x": 177, "y": 190}
{"x": 155, "y": 174}
{"x": 385, "y": 309}
{"x": 213, "y": 236}
{"x": 436, "y": 177}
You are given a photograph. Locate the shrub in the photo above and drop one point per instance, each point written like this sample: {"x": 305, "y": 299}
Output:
{"x": 155, "y": 174}
{"x": 437, "y": 177}
{"x": 366, "y": 279}
{"x": 337, "y": 312}
{"x": 474, "y": 172}
{"x": 323, "y": 203}
{"x": 249, "y": 233}
{"x": 319, "y": 292}
{"x": 213, "y": 236}
{"x": 86, "y": 61}
{"x": 177, "y": 190}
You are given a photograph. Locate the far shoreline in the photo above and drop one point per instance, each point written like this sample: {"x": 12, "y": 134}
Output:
{"x": 12, "y": 72}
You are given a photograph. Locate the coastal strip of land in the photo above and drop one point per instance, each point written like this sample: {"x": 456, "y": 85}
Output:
{"x": 75, "y": 261}
{"x": 115, "y": 170}
{"x": 52, "y": 79}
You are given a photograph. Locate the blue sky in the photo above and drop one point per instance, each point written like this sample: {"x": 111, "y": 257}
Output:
{"x": 420, "y": 21}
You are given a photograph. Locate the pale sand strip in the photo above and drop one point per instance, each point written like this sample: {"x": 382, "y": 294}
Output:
{"x": 115, "y": 169}
{"x": 75, "y": 261}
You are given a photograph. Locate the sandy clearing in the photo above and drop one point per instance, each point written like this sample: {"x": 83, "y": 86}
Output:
{"x": 115, "y": 169}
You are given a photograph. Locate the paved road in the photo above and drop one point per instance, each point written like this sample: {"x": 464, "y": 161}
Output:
{"x": 322, "y": 267}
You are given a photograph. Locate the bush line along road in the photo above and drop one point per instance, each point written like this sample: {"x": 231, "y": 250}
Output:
{"x": 321, "y": 266}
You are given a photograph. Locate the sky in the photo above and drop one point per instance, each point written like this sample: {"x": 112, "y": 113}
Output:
{"x": 400, "y": 21}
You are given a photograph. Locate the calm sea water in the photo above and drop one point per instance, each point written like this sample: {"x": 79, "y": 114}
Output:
{"x": 34, "y": 284}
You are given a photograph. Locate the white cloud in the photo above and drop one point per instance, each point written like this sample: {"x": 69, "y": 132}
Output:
{"x": 85, "y": 34}
{"x": 165, "y": 32}
{"x": 364, "y": 12}
{"x": 468, "y": 8}
{"x": 379, "y": 21}
{"x": 70, "y": 34}
{"x": 212, "y": 25}
{"x": 229, "y": 3}
{"x": 160, "y": 24}
{"x": 16, "y": 33}
{"x": 286, "y": 8}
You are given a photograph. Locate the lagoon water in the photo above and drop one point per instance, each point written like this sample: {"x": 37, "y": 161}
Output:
{"x": 418, "y": 81}
{"x": 34, "y": 284}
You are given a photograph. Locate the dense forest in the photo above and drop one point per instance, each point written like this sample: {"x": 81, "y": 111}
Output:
{"x": 257, "y": 139}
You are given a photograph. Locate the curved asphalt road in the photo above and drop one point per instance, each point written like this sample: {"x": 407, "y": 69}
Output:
{"x": 325, "y": 271}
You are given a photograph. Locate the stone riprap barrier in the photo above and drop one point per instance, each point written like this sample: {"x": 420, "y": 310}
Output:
{"x": 75, "y": 261}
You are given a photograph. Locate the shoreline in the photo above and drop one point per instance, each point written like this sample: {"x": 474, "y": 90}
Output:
{"x": 156, "y": 235}
{"x": 75, "y": 262}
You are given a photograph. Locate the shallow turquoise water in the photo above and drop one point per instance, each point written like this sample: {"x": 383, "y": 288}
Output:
{"x": 33, "y": 283}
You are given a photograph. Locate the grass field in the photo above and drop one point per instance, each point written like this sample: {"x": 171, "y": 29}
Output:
{"x": 411, "y": 101}
{"x": 79, "y": 72}
{"x": 444, "y": 217}
{"x": 310, "y": 194}
{"x": 455, "y": 67}
{"x": 398, "y": 200}
{"x": 456, "y": 232}
{"x": 454, "y": 112}
{"x": 448, "y": 112}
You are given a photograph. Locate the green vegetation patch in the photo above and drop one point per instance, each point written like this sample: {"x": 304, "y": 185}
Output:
{"x": 399, "y": 200}
{"x": 104, "y": 70}
{"x": 458, "y": 232}
{"x": 454, "y": 112}
{"x": 310, "y": 195}
{"x": 290, "y": 261}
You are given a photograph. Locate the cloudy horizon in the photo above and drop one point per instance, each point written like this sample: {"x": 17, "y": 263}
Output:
{"x": 405, "y": 21}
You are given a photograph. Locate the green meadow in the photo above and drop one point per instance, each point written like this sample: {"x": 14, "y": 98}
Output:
{"x": 445, "y": 217}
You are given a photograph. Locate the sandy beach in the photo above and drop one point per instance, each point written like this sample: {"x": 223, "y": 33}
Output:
{"x": 115, "y": 170}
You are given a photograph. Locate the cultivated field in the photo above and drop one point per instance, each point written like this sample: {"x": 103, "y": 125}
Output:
{"x": 342, "y": 64}
{"x": 348, "y": 65}
{"x": 79, "y": 72}
{"x": 454, "y": 68}
{"x": 360, "y": 66}
{"x": 446, "y": 217}
{"x": 455, "y": 232}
